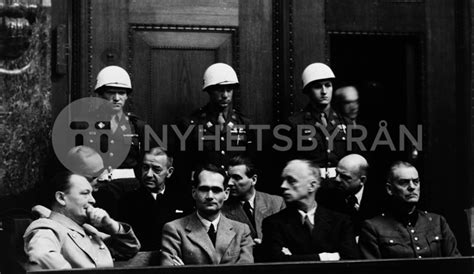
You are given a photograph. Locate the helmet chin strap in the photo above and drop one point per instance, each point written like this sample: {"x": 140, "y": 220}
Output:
{"x": 16, "y": 71}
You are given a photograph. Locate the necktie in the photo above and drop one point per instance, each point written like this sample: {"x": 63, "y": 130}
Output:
{"x": 212, "y": 234}
{"x": 248, "y": 212}
{"x": 307, "y": 223}
{"x": 323, "y": 119}
{"x": 352, "y": 202}
{"x": 221, "y": 120}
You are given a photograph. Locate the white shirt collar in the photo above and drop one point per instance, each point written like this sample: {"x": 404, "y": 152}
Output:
{"x": 358, "y": 195}
{"x": 310, "y": 214}
{"x": 251, "y": 201}
{"x": 162, "y": 192}
{"x": 208, "y": 223}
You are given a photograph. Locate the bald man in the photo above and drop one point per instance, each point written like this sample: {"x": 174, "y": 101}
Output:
{"x": 348, "y": 192}
{"x": 347, "y": 102}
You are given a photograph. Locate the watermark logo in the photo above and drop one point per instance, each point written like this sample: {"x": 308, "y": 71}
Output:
{"x": 87, "y": 122}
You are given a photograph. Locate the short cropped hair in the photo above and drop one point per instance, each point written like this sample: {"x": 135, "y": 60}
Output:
{"x": 157, "y": 151}
{"x": 212, "y": 168}
{"x": 313, "y": 167}
{"x": 395, "y": 166}
{"x": 60, "y": 182}
{"x": 245, "y": 161}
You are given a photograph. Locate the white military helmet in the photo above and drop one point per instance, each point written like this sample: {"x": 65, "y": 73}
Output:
{"x": 113, "y": 76}
{"x": 219, "y": 74}
{"x": 316, "y": 72}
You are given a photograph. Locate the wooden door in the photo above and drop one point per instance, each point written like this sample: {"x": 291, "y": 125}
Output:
{"x": 166, "y": 45}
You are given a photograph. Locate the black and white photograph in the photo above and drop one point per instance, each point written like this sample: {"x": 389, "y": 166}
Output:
{"x": 231, "y": 136}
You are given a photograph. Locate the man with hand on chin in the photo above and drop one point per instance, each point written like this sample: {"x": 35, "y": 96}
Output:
{"x": 73, "y": 235}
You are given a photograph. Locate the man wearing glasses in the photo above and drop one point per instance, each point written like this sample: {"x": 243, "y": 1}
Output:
{"x": 405, "y": 231}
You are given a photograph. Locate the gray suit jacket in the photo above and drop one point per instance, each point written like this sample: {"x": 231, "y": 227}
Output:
{"x": 265, "y": 205}
{"x": 187, "y": 238}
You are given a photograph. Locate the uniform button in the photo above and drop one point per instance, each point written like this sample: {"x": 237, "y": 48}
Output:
{"x": 412, "y": 231}
{"x": 391, "y": 241}
{"x": 91, "y": 141}
{"x": 343, "y": 138}
{"x": 222, "y": 138}
{"x": 222, "y": 166}
{"x": 222, "y": 152}
{"x": 112, "y": 141}
{"x": 329, "y": 151}
{"x": 111, "y": 154}
{"x": 417, "y": 248}
{"x": 436, "y": 238}
{"x": 419, "y": 257}
{"x": 416, "y": 238}
{"x": 327, "y": 138}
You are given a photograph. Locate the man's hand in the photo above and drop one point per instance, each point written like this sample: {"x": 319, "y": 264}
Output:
{"x": 176, "y": 260}
{"x": 101, "y": 219}
{"x": 257, "y": 241}
{"x": 326, "y": 256}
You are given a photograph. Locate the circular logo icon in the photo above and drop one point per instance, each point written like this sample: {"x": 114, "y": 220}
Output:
{"x": 92, "y": 122}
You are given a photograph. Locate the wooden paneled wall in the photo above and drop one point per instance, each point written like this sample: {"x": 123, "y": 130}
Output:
{"x": 272, "y": 42}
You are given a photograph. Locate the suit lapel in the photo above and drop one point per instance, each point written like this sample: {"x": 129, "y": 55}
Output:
{"x": 77, "y": 234}
{"x": 225, "y": 235}
{"x": 295, "y": 229}
{"x": 198, "y": 235}
{"x": 236, "y": 212}
{"x": 321, "y": 226}
{"x": 259, "y": 211}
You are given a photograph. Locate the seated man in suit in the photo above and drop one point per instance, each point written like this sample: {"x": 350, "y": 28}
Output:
{"x": 246, "y": 204}
{"x": 71, "y": 236}
{"x": 404, "y": 231}
{"x": 207, "y": 236}
{"x": 306, "y": 231}
{"x": 348, "y": 192}
{"x": 155, "y": 202}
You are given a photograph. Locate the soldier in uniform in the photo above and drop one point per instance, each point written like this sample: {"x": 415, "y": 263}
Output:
{"x": 404, "y": 231}
{"x": 126, "y": 131}
{"x": 219, "y": 132}
{"x": 318, "y": 122}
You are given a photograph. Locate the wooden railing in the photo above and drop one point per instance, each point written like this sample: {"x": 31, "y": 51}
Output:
{"x": 392, "y": 266}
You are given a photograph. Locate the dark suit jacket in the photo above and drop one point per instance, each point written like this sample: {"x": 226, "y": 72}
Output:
{"x": 147, "y": 215}
{"x": 265, "y": 205}
{"x": 333, "y": 232}
{"x": 187, "y": 238}
{"x": 334, "y": 199}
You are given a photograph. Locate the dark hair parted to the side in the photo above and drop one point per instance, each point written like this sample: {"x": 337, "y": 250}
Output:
{"x": 211, "y": 168}
{"x": 394, "y": 166}
{"x": 60, "y": 182}
{"x": 251, "y": 170}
